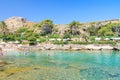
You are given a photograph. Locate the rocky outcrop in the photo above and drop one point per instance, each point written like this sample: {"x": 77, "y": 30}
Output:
{"x": 75, "y": 47}
{"x": 61, "y": 28}
{"x": 15, "y": 22}
{"x": 99, "y": 47}
{"x": 48, "y": 46}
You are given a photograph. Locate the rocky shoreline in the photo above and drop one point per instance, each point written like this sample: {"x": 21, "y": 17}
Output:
{"x": 43, "y": 46}
{"x": 75, "y": 47}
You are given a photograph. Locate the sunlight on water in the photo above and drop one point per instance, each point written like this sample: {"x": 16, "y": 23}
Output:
{"x": 61, "y": 65}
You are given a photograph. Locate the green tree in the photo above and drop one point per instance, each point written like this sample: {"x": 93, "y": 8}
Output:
{"x": 106, "y": 31}
{"x": 92, "y": 30}
{"x": 47, "y": 26}
{"x": 74, "y": 28}
{"x": 116, "y": 28}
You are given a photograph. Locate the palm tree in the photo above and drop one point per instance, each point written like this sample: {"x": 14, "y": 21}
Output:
{"x": 3, "y": 29}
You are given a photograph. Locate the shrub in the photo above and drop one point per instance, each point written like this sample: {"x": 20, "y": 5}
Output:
{"x": 67, "y": 36}
{"x": 54, "y": 36}
{"x": 32, "y": 43}
{"x": 42, "y": 40}
{"x": 47, "y": 26}
{"x": 60, "y": 42}
{"x": 92, "y": 38}
{"x": 32, "y": 40}
{"x": 23, "y": 29}
{"x": 9, "y": 37}
{"x": 1, "y": 36}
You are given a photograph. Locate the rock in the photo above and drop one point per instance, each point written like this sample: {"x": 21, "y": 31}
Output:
{"x": 61, "y": 28}
{"x": 116, "y": 49}
{"x": 66, "y": 47}
{"x": 15, "y": 22}
{"x": 99, "y": 47}
{"x": 45, "y": 46}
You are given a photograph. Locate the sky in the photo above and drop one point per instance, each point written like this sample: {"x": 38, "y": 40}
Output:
{"x": 61, "y": 11}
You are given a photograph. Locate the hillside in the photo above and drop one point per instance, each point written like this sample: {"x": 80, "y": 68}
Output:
{"x": 21, "y": 29}
{"x": 16, "y": 22}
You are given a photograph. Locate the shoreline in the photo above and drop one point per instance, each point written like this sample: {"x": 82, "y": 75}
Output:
{"x": 72, "y": 47}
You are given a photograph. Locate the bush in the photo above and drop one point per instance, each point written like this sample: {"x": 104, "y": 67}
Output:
{"x": 42, "y": 40}
{"x": 27, "y": 34}
{"x": 92, "y": 38}
{"x": 60, "y": 42}
{"x": 23, "y": 29}
{"x": 67, "y": 36}
{"x": 32, "y": 43}
{"x": 54, "y": 36}
{"x": 1, "y": 36}
{"x": 9, "y": 37}
{"x": 32, "y": 40}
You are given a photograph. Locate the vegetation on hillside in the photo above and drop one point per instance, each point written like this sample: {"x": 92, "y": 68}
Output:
{"x": 46, "y": 30}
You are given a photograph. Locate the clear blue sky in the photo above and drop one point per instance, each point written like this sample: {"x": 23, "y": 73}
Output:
{"x": 61, "y": 11}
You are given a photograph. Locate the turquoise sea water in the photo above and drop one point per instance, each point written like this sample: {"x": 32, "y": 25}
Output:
{"x": 65, "y": 65}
